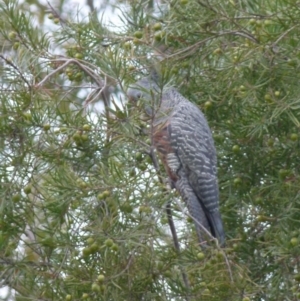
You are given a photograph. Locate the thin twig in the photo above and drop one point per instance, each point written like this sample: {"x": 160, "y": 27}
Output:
{"x": 283, "y": 35}
{"x": 10, "y": 63}
{"x": 56, "y": 14}
{"x": 172, "y": 226}
{"x": 92, "y": 97}
{"x": 67, "y": 62}
{"x": 189, "y": 50}
{"x": 177, "y": 246}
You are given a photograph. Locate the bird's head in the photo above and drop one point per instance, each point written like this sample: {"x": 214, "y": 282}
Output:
{"x": 145, "y": 93}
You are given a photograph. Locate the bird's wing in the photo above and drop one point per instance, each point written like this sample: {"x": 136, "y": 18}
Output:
{"x": 193, "y": 145}
{"x": 162, "y": 140}
{"x": 194, "y": 206}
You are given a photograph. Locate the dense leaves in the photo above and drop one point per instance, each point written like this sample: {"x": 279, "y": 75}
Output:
{"x": 82, "y": 198}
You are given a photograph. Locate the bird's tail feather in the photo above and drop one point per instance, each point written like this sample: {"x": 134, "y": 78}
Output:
{"x": 217, "y": 228}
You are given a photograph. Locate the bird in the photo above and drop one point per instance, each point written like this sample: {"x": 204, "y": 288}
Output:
{"x": 184, "y": 142}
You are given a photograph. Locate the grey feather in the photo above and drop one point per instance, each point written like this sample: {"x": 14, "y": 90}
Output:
{"x": 193, "y": 157}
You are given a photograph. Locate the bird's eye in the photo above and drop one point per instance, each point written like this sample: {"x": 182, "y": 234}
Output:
{"x": 134, "y": 96}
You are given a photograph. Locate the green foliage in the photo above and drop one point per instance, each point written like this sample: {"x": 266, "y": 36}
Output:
{"x": 82, "y": 206}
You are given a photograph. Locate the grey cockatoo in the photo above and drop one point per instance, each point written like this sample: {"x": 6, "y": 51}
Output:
{"x": 184, "y": 142}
